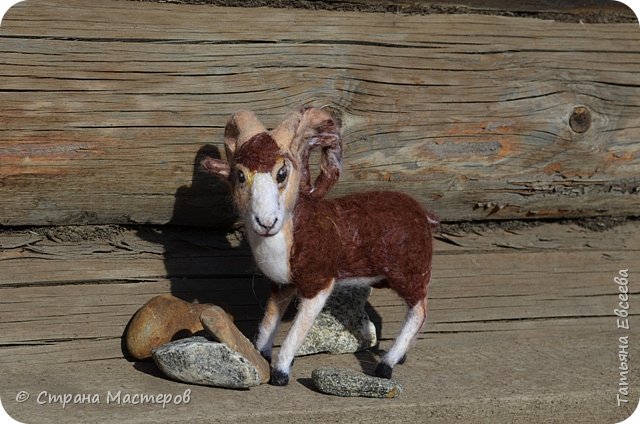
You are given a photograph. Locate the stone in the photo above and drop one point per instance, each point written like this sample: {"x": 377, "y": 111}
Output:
{"x": 162, "y": 319}
{"x": 343, "y": 326}
{"x": 197, "y": 360}
{"x": 346, "y": 383}
{"x": 216, "y": 321}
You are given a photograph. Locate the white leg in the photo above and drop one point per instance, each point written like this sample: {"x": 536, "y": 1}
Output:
{"x": 308, "y": 310}
{"x": 416, "y": 317}
{"x": 276, "y": 306}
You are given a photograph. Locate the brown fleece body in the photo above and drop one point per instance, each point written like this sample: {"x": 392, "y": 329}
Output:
{"x": 362, "y": 235}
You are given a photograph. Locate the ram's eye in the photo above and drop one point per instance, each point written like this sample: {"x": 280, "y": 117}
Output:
{"x": 241, "y": 177}
{"x": 282, "y": 174}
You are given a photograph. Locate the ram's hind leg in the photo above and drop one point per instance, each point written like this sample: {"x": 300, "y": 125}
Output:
{"x": 416, "y": 316}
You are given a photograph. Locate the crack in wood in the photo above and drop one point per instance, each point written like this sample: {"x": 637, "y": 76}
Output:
{"x": 525, "y": 319}
{"x": 53, "y": 342}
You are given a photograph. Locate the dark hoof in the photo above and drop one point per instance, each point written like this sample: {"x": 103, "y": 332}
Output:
{"x": 278, "y": 378}
{"x": 403, "y": 359}
{"x": 383, "y": 370}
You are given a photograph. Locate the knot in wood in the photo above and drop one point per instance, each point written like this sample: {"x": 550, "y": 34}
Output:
{"x": 580, "y": 120}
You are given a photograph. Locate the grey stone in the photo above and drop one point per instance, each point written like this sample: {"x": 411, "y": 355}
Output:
{"x": 343, "y": 325}
{"x": 197, "y": 360}
{"x": 346, "y": 382}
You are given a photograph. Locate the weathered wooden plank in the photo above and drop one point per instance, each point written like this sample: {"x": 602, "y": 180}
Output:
{"x": 120, "y": 255}
{"x": 521, "y": 327}
{"x": 65, "y": 351}
{"x": 575, "y": 10}
{"x": 487, "y": 288}
{"x": 470, "y": 297}
{"x": 106, "y": 254}
{"x": 605, "y": 11}
{"x": 458, "y": 377}
{"x": 104, "y": 108}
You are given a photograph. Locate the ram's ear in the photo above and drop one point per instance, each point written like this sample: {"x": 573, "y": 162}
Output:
{"x": 316, "y": 128}
{"x": 216, "y": 167}
{"x": 240, "y": 127}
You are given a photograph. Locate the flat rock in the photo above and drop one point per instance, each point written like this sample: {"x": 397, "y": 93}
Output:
{"x": 216, "y": 321}
{"x": 162, "y": 319}
{"x": 343, "y": 326}
{"x": 346, "y": 383}
{"x": 197, "y": 360}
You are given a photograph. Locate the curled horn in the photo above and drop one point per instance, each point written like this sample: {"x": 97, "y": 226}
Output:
{"x": 317, "y": 129}
{"x": 240, "y": 127}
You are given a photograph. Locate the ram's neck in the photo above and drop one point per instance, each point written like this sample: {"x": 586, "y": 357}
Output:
{"x": 272, "y": 254}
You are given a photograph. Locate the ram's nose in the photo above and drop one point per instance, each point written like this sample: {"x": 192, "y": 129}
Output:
{"x": 267, "y": 225}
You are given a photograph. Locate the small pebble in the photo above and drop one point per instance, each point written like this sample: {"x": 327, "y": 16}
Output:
{"x": 346, "y": 383}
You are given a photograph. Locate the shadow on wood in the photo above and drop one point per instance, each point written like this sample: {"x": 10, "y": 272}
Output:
{"x": 217, "y": 208}
{"x": 230, "y": 280}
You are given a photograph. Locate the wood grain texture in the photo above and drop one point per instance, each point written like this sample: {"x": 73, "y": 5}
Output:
{"x": 590, "y": 11}
{"x": 54, "y": 292}
{"x": 520, "y": 329}
{"x": 105, "y": 107}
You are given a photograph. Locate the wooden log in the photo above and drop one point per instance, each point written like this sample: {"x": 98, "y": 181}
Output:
{"x": 39, "y": 314}
{"x": 495, "y": 280}
{"x": 104, "y": 108}
{"x": 116, "y": 256}
{"x": 606, "y": 10}
{"x": 588, "y": 11}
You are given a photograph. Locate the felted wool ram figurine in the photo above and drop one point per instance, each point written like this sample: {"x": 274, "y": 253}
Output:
{"x": 305, "y": 244}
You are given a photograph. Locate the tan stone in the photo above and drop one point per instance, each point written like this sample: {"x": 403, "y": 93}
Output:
{"x": 162, "y": 319}
{"x": 216, "y": 321}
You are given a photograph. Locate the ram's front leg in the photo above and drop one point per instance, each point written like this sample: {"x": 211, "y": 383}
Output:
{"x": 308, "y": 311}
{"x": 277, "y": 304}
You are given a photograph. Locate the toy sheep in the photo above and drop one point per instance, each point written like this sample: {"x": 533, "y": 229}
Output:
{"x": 306, "y": 244}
